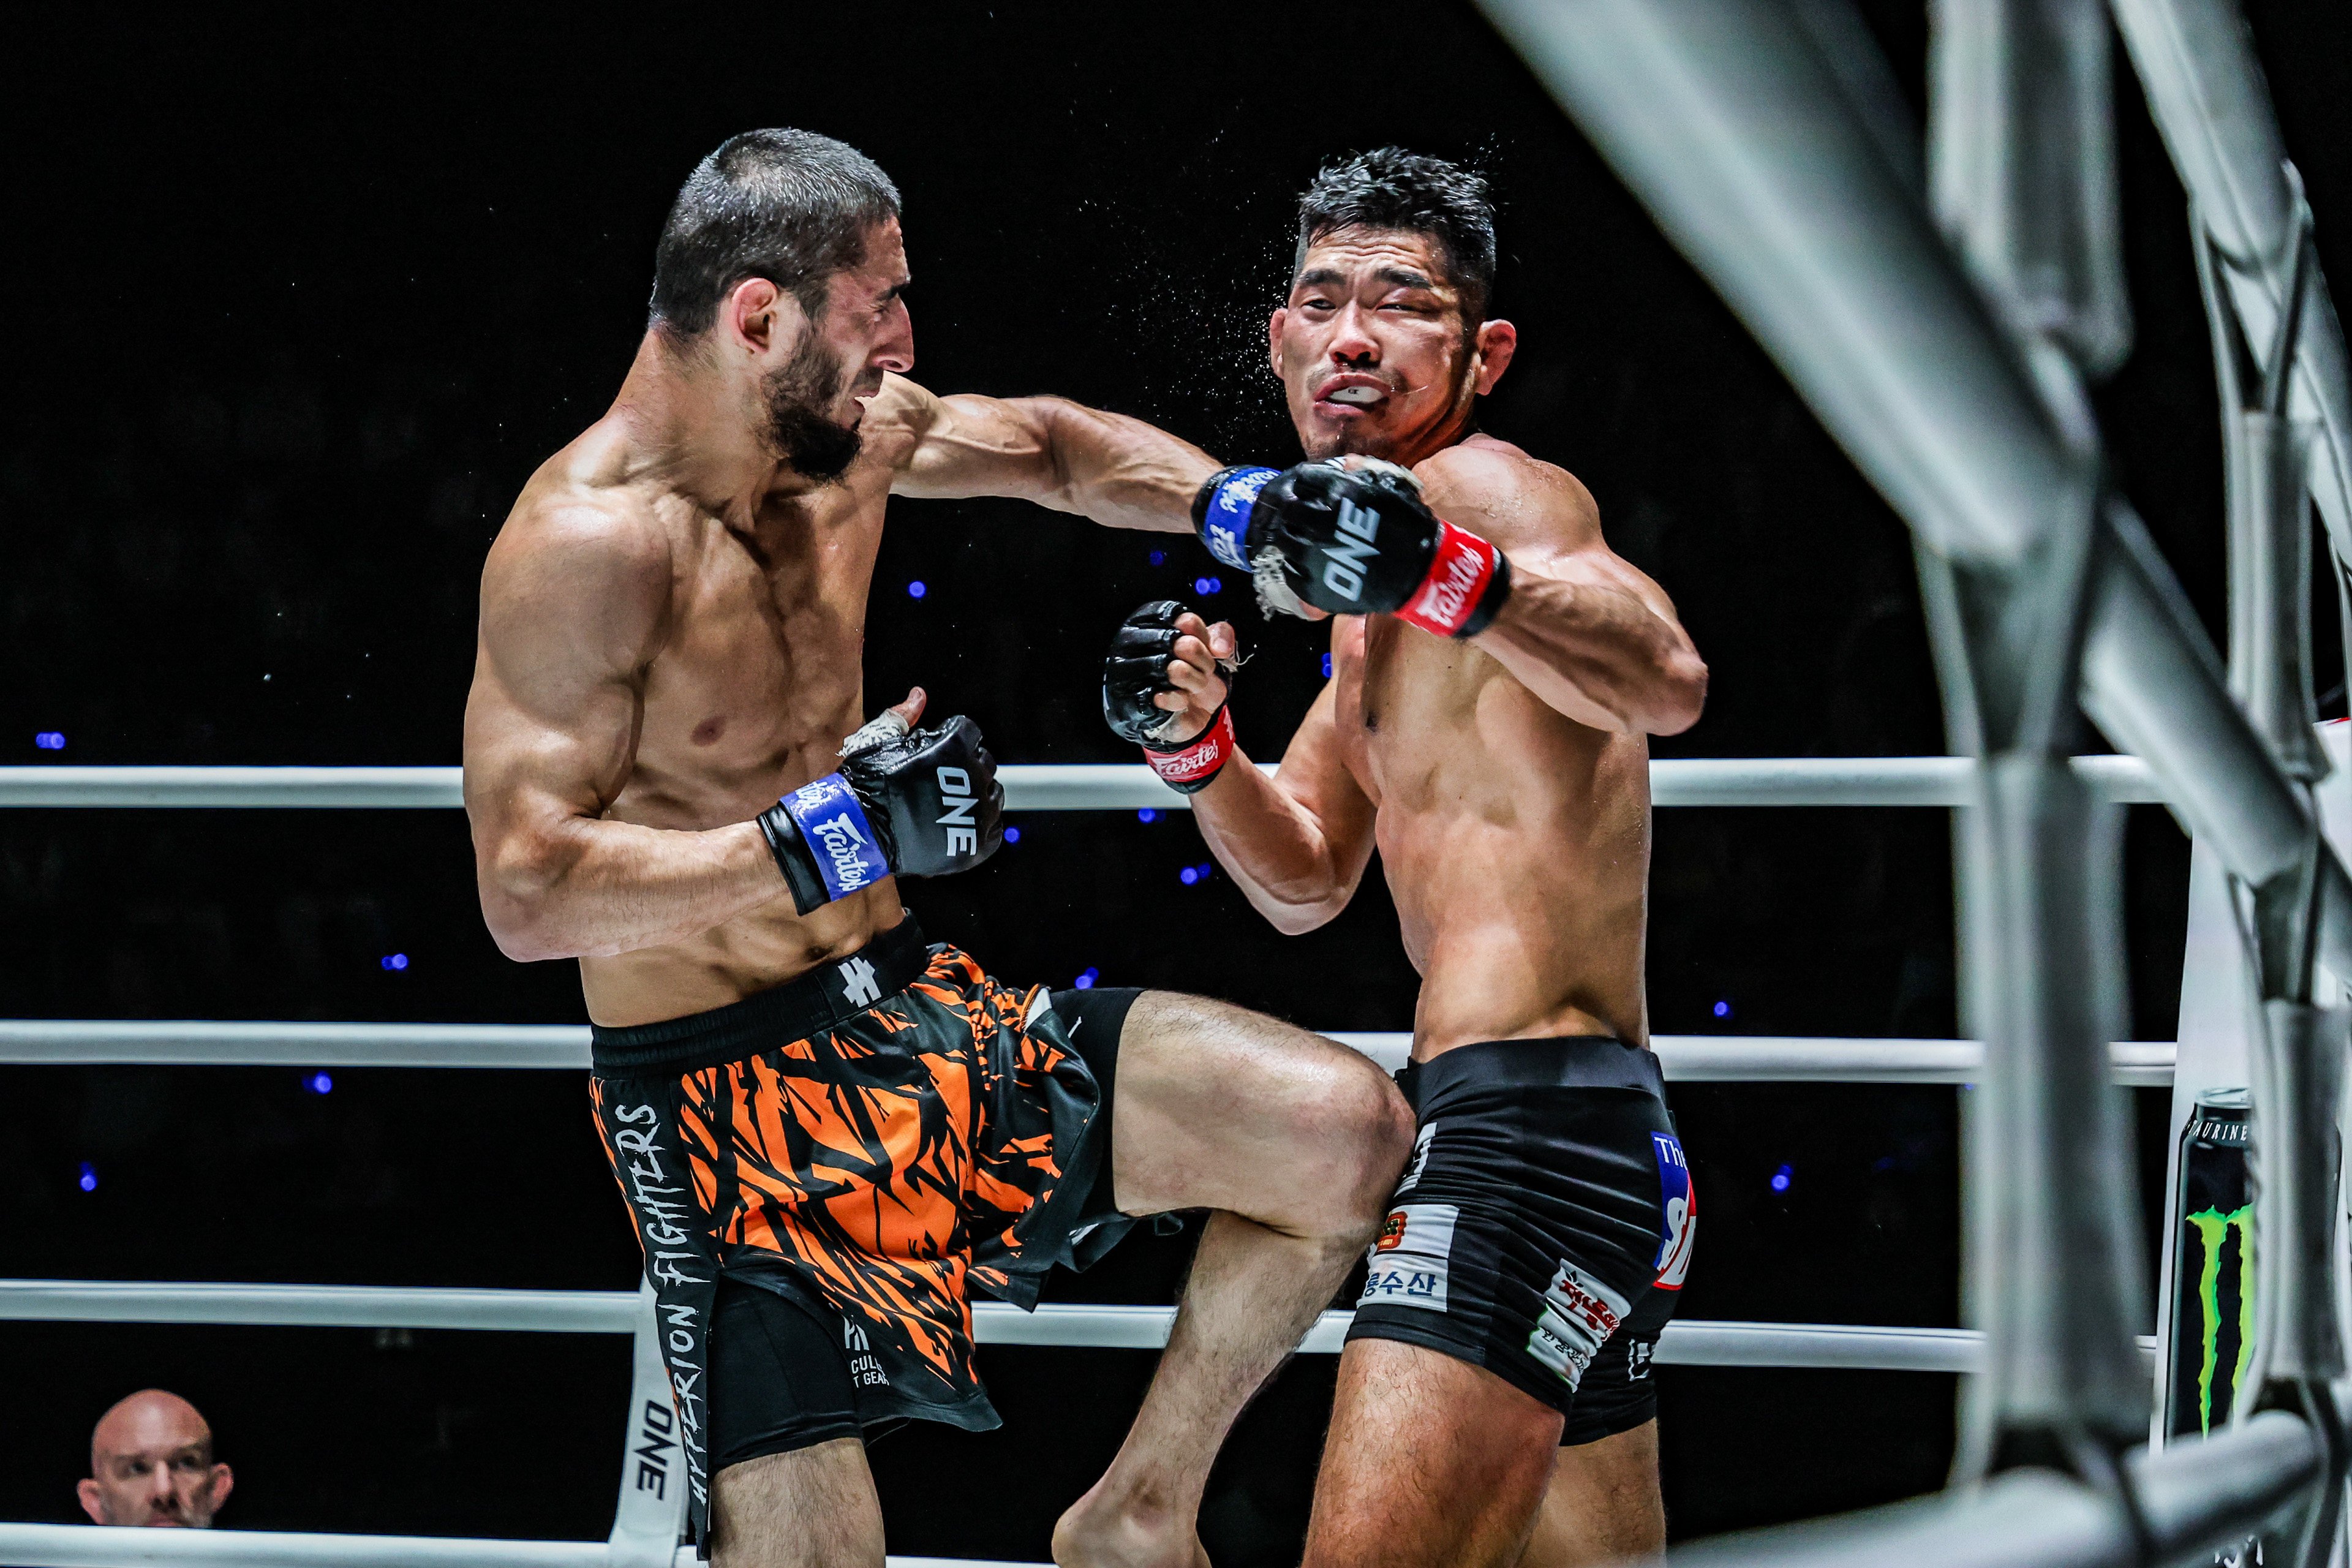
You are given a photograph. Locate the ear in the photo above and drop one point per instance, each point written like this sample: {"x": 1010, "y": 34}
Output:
{"x": 1498, "y": 342}
{"x": 760, "y": 317}
{"x": 1274, "y": 338}
{"x": 223, "y": 1481}
{"x": 92, "y": 1503}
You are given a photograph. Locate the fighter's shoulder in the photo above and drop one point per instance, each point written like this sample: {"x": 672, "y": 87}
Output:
{"x": 576, "y": 523}
{"x": 1492, "y": 486}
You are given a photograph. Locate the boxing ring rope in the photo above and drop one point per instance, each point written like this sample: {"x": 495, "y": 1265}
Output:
{"x": 1701, "y": 1342}
{"x": 1687, "y": 1058}
{"x": 1902, "y": 781}
{"x": 1070, "y": 786}
{"x": 88, "y": 1546}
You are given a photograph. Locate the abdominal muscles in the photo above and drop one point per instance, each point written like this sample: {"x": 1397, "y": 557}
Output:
{"x": 1515, "y": 844}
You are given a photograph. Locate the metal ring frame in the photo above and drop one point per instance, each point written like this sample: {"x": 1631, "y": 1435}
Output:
{"x": 1942, "y": 323}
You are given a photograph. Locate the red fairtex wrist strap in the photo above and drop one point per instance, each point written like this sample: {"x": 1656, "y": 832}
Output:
{"x": 1466, "y": 585}
{"x": 1189, "y": 767}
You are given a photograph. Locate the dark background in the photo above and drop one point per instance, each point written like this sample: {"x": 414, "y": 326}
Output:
{"x": 295, "y": 306}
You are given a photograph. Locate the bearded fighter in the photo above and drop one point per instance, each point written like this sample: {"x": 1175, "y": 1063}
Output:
{"x": 829, "y": 1131}
{"x": 1494, "y": 677}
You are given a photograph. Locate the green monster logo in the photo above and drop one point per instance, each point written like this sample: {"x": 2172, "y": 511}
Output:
{"x": 2214, "y": 1228}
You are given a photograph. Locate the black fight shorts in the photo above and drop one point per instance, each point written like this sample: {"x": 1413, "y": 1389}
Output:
{"x": 1543, "y": 1228}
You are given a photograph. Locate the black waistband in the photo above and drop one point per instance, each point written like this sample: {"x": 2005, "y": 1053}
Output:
{"x": 1567, "y": 1061}
{"x": 810, "y": 1004}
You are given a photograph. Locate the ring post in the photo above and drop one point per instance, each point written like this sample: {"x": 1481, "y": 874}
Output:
{"x": 2021, "y": 174}
{"x": 1953, "y": 374}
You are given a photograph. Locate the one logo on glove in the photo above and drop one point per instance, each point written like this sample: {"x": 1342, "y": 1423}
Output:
{"x": 955, "y": 794}
{"x": 1341, "y": 559}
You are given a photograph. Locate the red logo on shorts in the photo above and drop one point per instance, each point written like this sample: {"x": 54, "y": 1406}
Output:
{"x": 1391, "y": 1233}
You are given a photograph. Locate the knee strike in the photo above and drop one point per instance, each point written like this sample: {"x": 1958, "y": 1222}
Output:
{"x": 1365, "y": 1132}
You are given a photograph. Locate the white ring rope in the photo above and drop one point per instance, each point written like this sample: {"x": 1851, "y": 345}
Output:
{"x": 1081, "y": 787}
{"x": 89, "y": 1546}
{"x": 1711, "y": 782}
{"x": 1687, "y": 1058}
{"x": 1687, "y": 1341}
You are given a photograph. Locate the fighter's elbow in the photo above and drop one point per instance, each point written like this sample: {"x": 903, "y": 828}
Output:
{"x": 1679, "y": 694}
{"x": 1298, "y": 920}
{"x": 1296, "y": 908}
{"x": 520, "y": 881}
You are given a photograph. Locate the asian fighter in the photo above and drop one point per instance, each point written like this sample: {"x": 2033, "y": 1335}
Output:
{"x": 1493, "y": 679}
{"x": 828, "y": 1131}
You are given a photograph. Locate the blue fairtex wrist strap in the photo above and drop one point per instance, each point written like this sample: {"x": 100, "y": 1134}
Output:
{"x": 839, "y": 838}
{"x": 1225, "y": 522}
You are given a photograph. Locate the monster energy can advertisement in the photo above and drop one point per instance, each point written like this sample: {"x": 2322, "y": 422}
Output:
{"x": 2212, "y": 1266}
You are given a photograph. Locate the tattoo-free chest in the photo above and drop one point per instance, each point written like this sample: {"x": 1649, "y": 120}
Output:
{"x": 761, "y": 674}
{"x": 1403, "y": 697}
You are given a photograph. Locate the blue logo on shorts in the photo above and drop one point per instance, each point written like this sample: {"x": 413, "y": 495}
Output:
{"x": 1678, "y": 1203}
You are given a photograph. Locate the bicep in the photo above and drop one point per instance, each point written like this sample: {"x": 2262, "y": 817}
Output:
{"x": 967, "y": 445}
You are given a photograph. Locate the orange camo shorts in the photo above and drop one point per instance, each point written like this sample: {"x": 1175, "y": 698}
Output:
{"x": 922, "y": 1143}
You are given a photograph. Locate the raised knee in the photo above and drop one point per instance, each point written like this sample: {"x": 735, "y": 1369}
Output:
{"x": 1364, "y": 1132}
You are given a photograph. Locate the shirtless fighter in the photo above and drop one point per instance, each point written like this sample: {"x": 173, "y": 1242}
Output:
{"x": 828, "y": 1131}
{"x": 1494, "y": 676}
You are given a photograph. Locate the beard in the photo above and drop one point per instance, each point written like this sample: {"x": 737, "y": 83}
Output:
{"x": 799, "y": 398}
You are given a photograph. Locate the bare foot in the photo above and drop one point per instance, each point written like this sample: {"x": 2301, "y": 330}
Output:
{"x": 1097, "y": 1532}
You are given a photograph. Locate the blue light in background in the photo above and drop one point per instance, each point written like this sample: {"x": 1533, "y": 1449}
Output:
{"x": 916, "y": 589}
{"x": 319, "y": 1083}
{"x": 1013, "y": 836}
{"x": 1189, "y": 875}
{"x": 1723, "y": 1009}
{"x": 1205, "y": 586}
{"x": 1086, "y": 978}
{"x": 1147, "y": 814}
{"x": 394, "y": 961}
{"x": 1780, "y": 1180}
{"x": 1160, "y": 558}
{"x": 49, "y": 740}
{"x": 89, "y": 1182}
{"x": 1327, "y": 667}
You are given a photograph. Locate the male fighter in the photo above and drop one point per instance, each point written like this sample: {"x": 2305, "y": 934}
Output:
{"x": 151, "y": 1465}
{"x": 1494, "y": 676}
{"x": 827, "y": 1132}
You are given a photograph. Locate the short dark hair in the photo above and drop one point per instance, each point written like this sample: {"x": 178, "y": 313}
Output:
{"x": 1392, "y": 188}
{"x": 791, "y": 206}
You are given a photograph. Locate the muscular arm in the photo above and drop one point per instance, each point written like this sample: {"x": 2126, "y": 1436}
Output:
{"x": 1119, "y": 471}
{"x": 1297, "y": 843}
{"x": 573, "y": 606}
{"x": 1586, "y": 632}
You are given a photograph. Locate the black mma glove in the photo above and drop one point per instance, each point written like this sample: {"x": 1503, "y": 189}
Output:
{"x": 1135, "y": 671}
{"x": 921, "y": 803}
{"x": 1354, "y": 542}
